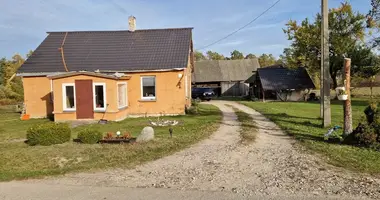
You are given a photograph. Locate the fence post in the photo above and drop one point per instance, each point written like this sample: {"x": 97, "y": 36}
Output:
{"x": 347, "y": 104}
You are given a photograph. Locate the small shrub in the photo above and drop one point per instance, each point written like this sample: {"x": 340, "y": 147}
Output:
{"x": 48, "y": 134}
{"x": 363, "y": 135}
{"x": 371, "y": 111}
{"x": 90, "y": 136}
{"x": 194, "y": 109}
{"x": 368, "y": 137}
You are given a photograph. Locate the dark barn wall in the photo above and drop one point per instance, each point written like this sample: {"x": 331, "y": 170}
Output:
{"x": 234, "y": 88}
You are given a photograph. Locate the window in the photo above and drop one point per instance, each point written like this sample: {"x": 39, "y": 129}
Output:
{"x": 148, "y": 87}
{"x": 68, "y": 94}
{"x": 122, "y": 95}
{"x": 99, "y": 92}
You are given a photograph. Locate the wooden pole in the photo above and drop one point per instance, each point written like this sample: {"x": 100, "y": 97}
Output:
{"x": 263, "y": 94}
{"x": 347, "y": 104}
{"x": 326, "y": 66}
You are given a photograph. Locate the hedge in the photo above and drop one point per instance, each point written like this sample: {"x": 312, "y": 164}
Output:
{"x": 90, "y": 136}
{"x": 48, "y": 134}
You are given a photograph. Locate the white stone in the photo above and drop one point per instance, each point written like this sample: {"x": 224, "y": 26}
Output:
{"x": 146, "y": 134}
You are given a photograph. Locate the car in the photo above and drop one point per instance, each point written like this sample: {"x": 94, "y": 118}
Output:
{"x": 202, "y": 93}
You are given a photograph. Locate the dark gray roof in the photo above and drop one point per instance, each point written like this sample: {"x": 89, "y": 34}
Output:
{"x": 285, "y": 78}
{"x": 224, "y": 70}
{"x": 153, "y": 49}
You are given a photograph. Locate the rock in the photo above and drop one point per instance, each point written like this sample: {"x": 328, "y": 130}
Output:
{"x": 146, "y": 134}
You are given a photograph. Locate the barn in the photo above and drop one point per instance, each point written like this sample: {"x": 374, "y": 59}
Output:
{"x": 282, "y": 83}
{"x": 227, "y": 77}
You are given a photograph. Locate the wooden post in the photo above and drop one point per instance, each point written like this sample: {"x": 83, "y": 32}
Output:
{"x": 347, "y": 104}
{"x": 262, "y": 89}
{"x": 326, "y": 66}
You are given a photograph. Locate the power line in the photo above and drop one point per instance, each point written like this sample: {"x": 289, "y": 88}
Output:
{"x": 265, "y": 11}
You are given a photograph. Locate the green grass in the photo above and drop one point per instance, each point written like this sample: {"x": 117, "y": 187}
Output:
{"x": 11, "y": 127}
{"x": 302, "y": 121}
{"x": 248, "y": 130}
{"x": 20, "y": 161}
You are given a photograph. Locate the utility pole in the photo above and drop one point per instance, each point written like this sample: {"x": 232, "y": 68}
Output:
{"x": 347, "y": 104}
{"x": 321, "y": 75}
{"x": 326, "y": 65}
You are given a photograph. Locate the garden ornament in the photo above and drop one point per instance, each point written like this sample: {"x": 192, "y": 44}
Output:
{"x": 171, "y": 132}
{"x": 331, "y": 131}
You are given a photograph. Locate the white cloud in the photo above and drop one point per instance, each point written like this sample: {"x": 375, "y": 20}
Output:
{"x": 232, "y": 43}
{"x": 273, "y": 46}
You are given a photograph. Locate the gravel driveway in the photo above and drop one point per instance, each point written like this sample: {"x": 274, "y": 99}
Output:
{"x": 272, "y": 166}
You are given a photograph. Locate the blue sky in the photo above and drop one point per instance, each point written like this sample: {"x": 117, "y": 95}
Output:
{"x": 24, "y": 23}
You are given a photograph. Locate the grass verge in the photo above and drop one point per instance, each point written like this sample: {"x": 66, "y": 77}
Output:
{"x": 248, "y": 129}
{"x": 301, "y": 120}
{"x": 20, "y": 161}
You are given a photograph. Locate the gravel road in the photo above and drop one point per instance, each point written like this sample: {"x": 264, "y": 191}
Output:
{"x": 271, "y": 167}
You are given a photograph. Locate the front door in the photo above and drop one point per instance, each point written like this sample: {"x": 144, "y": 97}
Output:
{"x": 83, "y": 93}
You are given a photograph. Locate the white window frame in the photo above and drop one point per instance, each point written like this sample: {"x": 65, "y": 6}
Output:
{"x": 104, "y": 96}
{"x": 155, "y": 88}
{"x": 126, "y": 94}
{"x": 64, "y": 85}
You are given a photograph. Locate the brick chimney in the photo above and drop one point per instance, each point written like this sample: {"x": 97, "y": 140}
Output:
{"x": 132, "y": 23}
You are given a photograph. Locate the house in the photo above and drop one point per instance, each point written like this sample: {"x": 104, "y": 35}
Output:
{"x": 228, "y": 77}
{"x": 281, "y": 83}
{"x": 109, "y": 75}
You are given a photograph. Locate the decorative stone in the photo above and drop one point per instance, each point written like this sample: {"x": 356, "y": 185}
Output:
{"x": 146, "y": 135}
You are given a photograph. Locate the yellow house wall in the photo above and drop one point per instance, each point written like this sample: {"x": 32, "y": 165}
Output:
{"x": 170, "y": 96}
{"x": 37, "y": 96}
{"x": 111, "y": 98}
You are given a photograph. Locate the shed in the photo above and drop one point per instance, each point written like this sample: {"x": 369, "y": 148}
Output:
{"x": 228, "y": 77}
{"x": 283, "y": 83}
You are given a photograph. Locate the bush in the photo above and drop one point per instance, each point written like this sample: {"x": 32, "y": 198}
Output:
{"x": 366, "y": 135}
{"x": 368, "y": 138}
{"x": 48, "y": 134}
{"x": 90, "y": 136}
{"x": 194, "y": 109}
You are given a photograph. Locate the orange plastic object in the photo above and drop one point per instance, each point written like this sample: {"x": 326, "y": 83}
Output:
{"x": 25, "y": 117}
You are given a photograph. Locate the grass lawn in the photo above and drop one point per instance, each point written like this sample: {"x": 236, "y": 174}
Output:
{"x": 11, "y": 127}
{"x": 302, "y": 121}
{"x": 19, "y": 161}
{"x": 248, "y": 128}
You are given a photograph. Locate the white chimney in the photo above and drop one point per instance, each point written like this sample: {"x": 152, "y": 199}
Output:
{"x": 132, "y": 23}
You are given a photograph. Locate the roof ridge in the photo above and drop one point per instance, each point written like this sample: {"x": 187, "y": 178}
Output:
{"x": 107, "y": 31}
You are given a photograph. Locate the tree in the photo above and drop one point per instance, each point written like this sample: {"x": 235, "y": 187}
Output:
{"x": 10, "y": 85}
{"x": 266, "y": 60}
{"x": 29, "y": 54}
{"x": 373, "y": 20}
{"x": 214, "y": 55}
{"x": 250, "y": 56}
{"x": 367, "y": 66}
{"x": 199, "y": 56}
{"x": 237, "y": 55}
{"x": 346, "y": 27}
